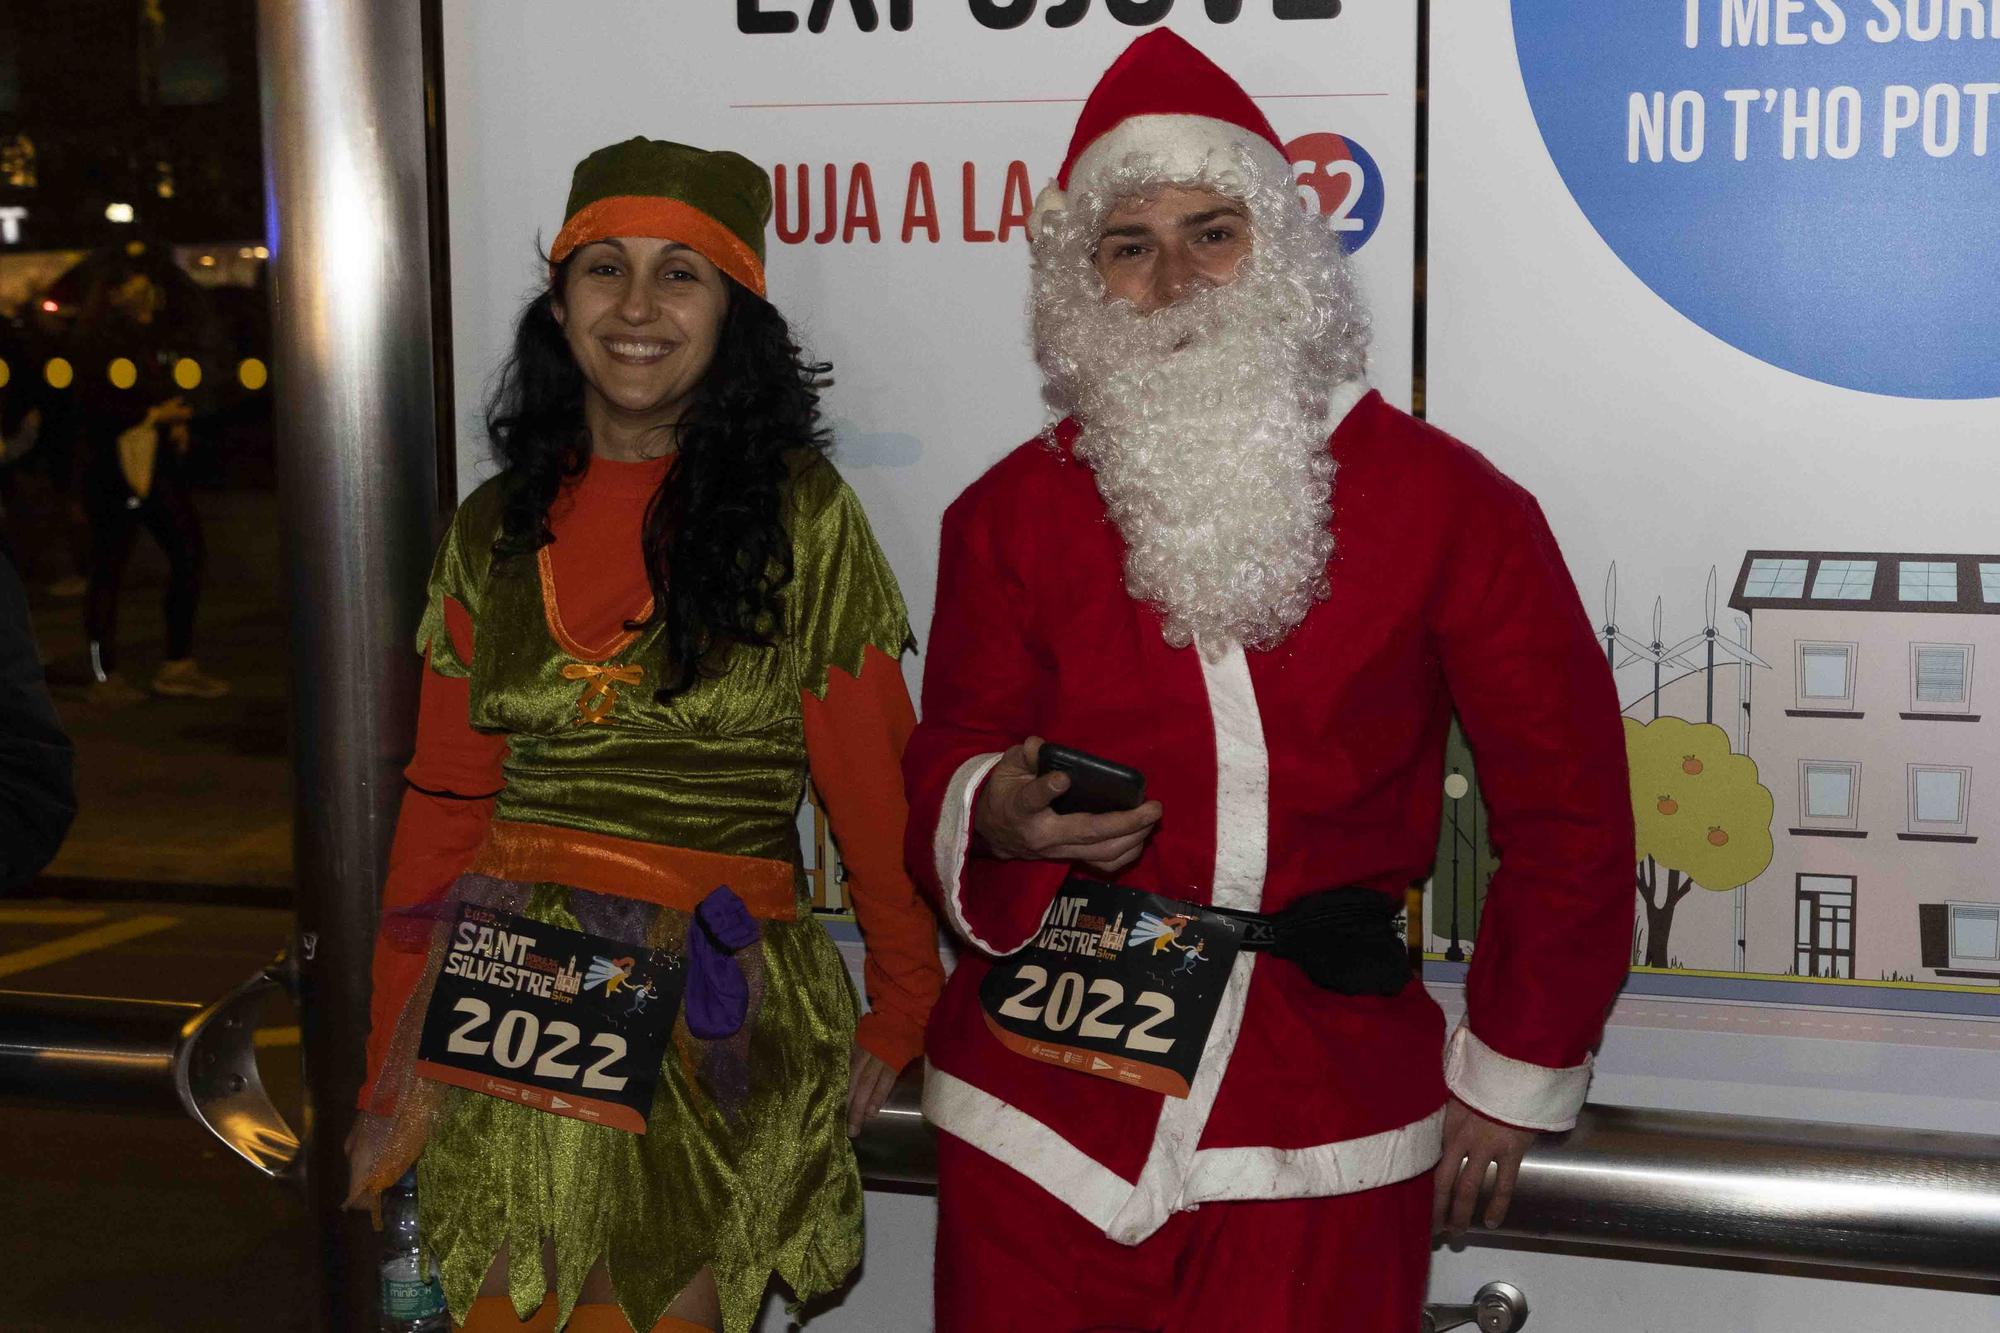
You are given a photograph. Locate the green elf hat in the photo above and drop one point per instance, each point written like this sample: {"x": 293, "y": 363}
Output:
{"x": 715, "y": 203}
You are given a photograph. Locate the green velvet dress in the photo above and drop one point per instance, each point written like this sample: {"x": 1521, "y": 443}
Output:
{"x": 746, "y": 1167}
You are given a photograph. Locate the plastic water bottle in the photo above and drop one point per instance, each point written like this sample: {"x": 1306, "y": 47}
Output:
{"x": 412, "y": 1298}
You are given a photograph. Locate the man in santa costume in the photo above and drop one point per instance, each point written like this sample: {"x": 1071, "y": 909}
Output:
{"x": 1233, "y": 567}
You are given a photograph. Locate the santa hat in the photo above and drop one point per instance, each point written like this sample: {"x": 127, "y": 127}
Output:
{"x": 1164, "y": 101}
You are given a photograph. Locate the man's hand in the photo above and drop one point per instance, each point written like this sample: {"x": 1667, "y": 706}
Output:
{"x": 868, "y": 1084}
{"x": 1014, "y": 821}
{"x": 1472, "y": 1145}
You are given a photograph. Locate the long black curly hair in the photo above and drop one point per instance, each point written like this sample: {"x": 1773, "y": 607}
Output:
{"x": 717, "y": 554}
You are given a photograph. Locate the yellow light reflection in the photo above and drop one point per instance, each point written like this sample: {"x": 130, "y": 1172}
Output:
{"x": 187, "y": 373}
{"x": 6, "y": 373}
{"x": 252, "y": 373}
{"x": 123, "y": 373}
{"x": 58, "y": 373}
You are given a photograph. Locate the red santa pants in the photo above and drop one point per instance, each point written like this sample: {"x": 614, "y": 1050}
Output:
{"x": 1012, "y": 1258}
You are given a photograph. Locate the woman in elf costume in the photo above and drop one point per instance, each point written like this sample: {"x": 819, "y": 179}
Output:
{"x": 641, "y": 636}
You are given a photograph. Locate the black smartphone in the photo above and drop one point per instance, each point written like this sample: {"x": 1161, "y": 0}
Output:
{"x": 1096, "y": 786}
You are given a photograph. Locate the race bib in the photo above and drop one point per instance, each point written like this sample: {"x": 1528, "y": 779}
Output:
{"x": 1119, "y": 983}
{"x": 551, "y": 1018}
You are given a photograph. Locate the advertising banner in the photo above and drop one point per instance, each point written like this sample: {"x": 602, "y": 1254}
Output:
{"x": 1714, "y": 279}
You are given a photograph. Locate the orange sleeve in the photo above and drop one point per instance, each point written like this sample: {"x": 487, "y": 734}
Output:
{"x": 453, "y": 779}
{"x": 854, "y": 742}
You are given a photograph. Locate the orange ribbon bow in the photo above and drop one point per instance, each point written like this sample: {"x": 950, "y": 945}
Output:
{"x": 600, "y": 694}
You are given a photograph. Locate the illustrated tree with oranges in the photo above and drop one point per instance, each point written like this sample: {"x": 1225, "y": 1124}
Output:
{"x": 1703, "y": 818}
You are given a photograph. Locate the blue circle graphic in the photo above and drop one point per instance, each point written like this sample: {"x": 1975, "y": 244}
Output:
{"x": 1870, "y": 257}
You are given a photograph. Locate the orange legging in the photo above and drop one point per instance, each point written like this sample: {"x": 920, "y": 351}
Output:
{"x": 495, "y": 1314}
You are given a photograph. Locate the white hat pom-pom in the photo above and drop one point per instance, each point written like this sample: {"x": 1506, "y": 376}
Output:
{"x": 1049, "y": 204}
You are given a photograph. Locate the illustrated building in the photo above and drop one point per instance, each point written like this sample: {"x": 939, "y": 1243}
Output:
{"x": 1878, "y": 734}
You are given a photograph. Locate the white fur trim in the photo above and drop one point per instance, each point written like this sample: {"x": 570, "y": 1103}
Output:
{"x": 1242, "y": 779}
{"x": 1242, "y": 826}
{"x": 954, "y": 838}
{"x": 1163, "y": 1182}
{"x": 1344, "y": 1167}
{"x": 1343, "y": 400}
{"x": 1183, "y": 147}
{"x": 1024, "y": 1143}
{"x": 1513, "y": 1091}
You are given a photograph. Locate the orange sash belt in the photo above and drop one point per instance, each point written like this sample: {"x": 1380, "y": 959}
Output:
{"x": 675, "y": 877}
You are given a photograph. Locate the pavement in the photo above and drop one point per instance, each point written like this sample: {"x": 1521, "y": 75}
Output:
{"x": 179, "y": 799}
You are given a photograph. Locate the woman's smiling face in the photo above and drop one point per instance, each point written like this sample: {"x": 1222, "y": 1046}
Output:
{"x": 642, "y": 318}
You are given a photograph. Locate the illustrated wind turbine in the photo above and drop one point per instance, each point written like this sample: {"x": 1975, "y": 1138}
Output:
{"x": 1609, "y": 629}
{"x": 1655, "y": 652}
{"x": 1713, "y": 641}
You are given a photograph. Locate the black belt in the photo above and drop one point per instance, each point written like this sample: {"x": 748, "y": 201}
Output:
{"x": 1345, "y": 939}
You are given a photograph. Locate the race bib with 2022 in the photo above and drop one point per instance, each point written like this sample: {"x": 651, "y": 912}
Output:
{"x": 556, "y": 1019}
{"x": 1118, "y": 983}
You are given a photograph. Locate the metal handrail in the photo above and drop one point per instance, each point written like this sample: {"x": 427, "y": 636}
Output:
{"x": 1857, "y": 1196}
{"x": 1896, "y": 1200}
{"x": 152, "y": 1055}
{"x": 91, "y": 1050}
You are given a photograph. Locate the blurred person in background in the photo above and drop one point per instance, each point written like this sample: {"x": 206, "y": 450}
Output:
{"x": 37, "y": 435}
{"x": 37, "y": 767}
{"x": 133, "y": 412}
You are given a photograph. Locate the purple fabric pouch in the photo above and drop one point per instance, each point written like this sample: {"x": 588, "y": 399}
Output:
{"x": 718, "y": 998}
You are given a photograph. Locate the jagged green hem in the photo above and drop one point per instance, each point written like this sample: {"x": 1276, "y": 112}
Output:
{"x": 892, "y": 642}
{"x": 434, "y": 639}
{"x": 814, "y": 1262}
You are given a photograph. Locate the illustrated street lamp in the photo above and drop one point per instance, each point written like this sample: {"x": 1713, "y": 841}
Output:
{"x": 1456, "y": 787}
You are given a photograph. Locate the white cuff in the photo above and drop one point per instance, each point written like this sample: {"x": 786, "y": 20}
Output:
{"x": 954, "y": 838}
{"x": 1513, "y": 1091}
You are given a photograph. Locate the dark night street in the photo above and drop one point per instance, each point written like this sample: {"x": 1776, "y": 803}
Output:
{"x": 174, "y": 885}
{"x": 137, "y": 1222}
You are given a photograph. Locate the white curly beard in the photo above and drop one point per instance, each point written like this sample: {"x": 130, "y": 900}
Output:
{"x": 1206, "y": 422}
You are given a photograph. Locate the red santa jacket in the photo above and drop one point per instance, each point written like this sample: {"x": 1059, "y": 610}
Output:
{"x": 1310, "y": 766}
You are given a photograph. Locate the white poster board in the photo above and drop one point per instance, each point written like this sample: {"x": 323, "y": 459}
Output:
{"x": 910, "y": 272}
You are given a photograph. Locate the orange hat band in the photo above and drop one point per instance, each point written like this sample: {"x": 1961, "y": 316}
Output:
{"x": 662, "y": 219}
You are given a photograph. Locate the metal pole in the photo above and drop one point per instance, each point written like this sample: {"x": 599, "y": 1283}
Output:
{"x": 1709, "y": 716}
{"x": 346, "y": 177}
{"x": 1472, "y": 844}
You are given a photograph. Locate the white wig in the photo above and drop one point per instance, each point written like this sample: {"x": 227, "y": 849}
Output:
{"x": 1206, "y": 421}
